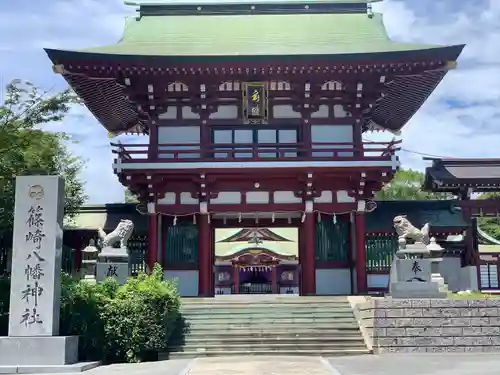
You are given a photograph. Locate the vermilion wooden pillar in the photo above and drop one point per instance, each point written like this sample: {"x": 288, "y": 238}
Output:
{"x": 361, "y": 278}
{"x": 236, "y": 279}
{"x": 152, "y": 256}
{"x": 274, "y": 280}
{"x": 204, "y": 257}
{"x": 307, "y": 261}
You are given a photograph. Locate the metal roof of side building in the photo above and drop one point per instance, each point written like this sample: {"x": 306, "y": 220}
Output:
{"x": 453, "y": 175}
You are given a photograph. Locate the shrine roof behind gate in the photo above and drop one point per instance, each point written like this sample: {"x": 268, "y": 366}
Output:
{"x": 442, "y": 215}
{"x": 107, "y": 216}
{"x": 453, "y": 175}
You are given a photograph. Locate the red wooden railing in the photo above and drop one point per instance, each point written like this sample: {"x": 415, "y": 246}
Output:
{"x": 195, "y": 152}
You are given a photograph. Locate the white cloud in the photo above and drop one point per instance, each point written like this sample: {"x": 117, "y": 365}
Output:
{"x": 461, "y": 118}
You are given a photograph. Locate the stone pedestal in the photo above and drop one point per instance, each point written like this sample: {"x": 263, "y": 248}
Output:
{"x": 412, "y": 279}
{"x": 113, "y": 262}
{"x": 39, "y": 351}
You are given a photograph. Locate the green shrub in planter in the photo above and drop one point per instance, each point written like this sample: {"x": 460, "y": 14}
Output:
{"x": 141, "y": 317}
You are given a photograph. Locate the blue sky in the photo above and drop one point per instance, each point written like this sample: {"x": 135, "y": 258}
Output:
{"x": 461, "y": 119}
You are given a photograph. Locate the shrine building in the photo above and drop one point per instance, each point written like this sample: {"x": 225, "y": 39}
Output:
{"x": 253, "y": 114}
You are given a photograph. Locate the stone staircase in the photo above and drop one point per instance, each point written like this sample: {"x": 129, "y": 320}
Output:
{"x": 264, "y": 325}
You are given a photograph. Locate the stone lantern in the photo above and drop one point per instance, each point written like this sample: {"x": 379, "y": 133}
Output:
{"x": 89, "y": 262}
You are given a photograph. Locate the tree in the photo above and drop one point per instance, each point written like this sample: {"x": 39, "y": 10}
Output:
{"x": 491, "y": 225}
{"x": 27, "y": 149}
{"x": 129, "y": 197}
{"x": 407, "y": 185}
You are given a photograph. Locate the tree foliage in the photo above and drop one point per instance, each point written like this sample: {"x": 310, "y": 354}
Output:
{"x": 491, "y": 225}
{"x": 407, "y": 185}
{"x": 129, "y": 197}
{"x": 26, "y": 148}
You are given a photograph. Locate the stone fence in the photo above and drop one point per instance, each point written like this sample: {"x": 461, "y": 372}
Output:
{"x": 430, "y": 325}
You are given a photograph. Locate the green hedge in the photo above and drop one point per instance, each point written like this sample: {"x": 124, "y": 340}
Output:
{"x": 127, "y": 323}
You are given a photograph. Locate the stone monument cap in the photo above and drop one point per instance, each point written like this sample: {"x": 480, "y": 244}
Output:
{"x": 113, "y": 253}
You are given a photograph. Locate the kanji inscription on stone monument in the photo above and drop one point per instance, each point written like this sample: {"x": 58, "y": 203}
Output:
{"x": 36, "y": 257}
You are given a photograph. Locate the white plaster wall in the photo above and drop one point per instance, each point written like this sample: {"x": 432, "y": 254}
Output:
{"x": 376, "y": 280}
{"x": 331, "y": 134}
{"x": 322, "y": 112}
{"x": 225, "y": 112}
{"x": 285, "y": 111}
{"x": 343, "y": 197}
{"x": 169, "y": 114}
{"x": 186, "y": 198}
{"x": 227, "y": 197}
{"x": 286, "y": 197}
{"x": 325, "y": 197}
{"x": 179, "y": 135}
{"x": 169, "y": 198}
{"x": 334, "y": 281}
{"x": 256, "y": 197}
{"x": 187, "y": 281}
{"x": 188, "y": 114}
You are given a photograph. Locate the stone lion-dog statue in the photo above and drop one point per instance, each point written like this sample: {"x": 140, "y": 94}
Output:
{"x": 406, "y": 230}
{"x": 121, "y": 234}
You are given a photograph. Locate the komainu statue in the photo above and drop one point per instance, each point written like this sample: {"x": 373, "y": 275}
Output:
{"x": 406, "y": 230}
{"x": 121, "y": 234}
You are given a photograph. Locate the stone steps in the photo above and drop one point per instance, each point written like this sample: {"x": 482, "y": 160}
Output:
{"x": 295, "y": 311}
{"x": 276, "y": 340}
{"x": 242, "y": 322}
{"x": 259, "y": 325}
{"x": 226, "y": 352}
{"x": 272, "y": 334}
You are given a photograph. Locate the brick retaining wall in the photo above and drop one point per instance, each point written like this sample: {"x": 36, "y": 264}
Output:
{"x": 431, "y": 325}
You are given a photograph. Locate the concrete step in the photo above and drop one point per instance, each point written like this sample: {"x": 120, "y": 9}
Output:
{"x": 259, "y": 327}
{"x": 284, "y": 352}
{"x": 223, "y": 314}
{"x": 270, "y": 321}
{"x": 271, "y": 332}
{"x": 261, "y": 303}
{"x": 255, "y": 300}
{"x": 342, "y": 341}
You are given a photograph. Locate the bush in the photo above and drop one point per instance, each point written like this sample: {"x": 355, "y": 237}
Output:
{"x": 141, "y": 317}
{"x": 116, "y": 323}
{"x": 4, "y": 305}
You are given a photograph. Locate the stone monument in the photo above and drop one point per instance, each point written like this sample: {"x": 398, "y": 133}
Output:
{"x": 33, "y": 343}
{"x": 114, "y": 262}
{"x": 413, "y": 274}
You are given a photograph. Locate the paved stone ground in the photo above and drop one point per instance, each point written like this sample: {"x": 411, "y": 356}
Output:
{"x": 261, "y": 365}
{"x": 414, "y": 364}
{"x": 419, "y": 364}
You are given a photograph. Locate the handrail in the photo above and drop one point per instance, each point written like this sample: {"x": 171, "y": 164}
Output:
{"x": 211, "y": 151}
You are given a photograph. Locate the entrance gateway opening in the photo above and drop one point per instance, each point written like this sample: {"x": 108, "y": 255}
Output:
{"x": 256, "y": 260}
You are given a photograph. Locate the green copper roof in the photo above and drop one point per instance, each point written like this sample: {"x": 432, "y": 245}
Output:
{"x": 256, "y": 34}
